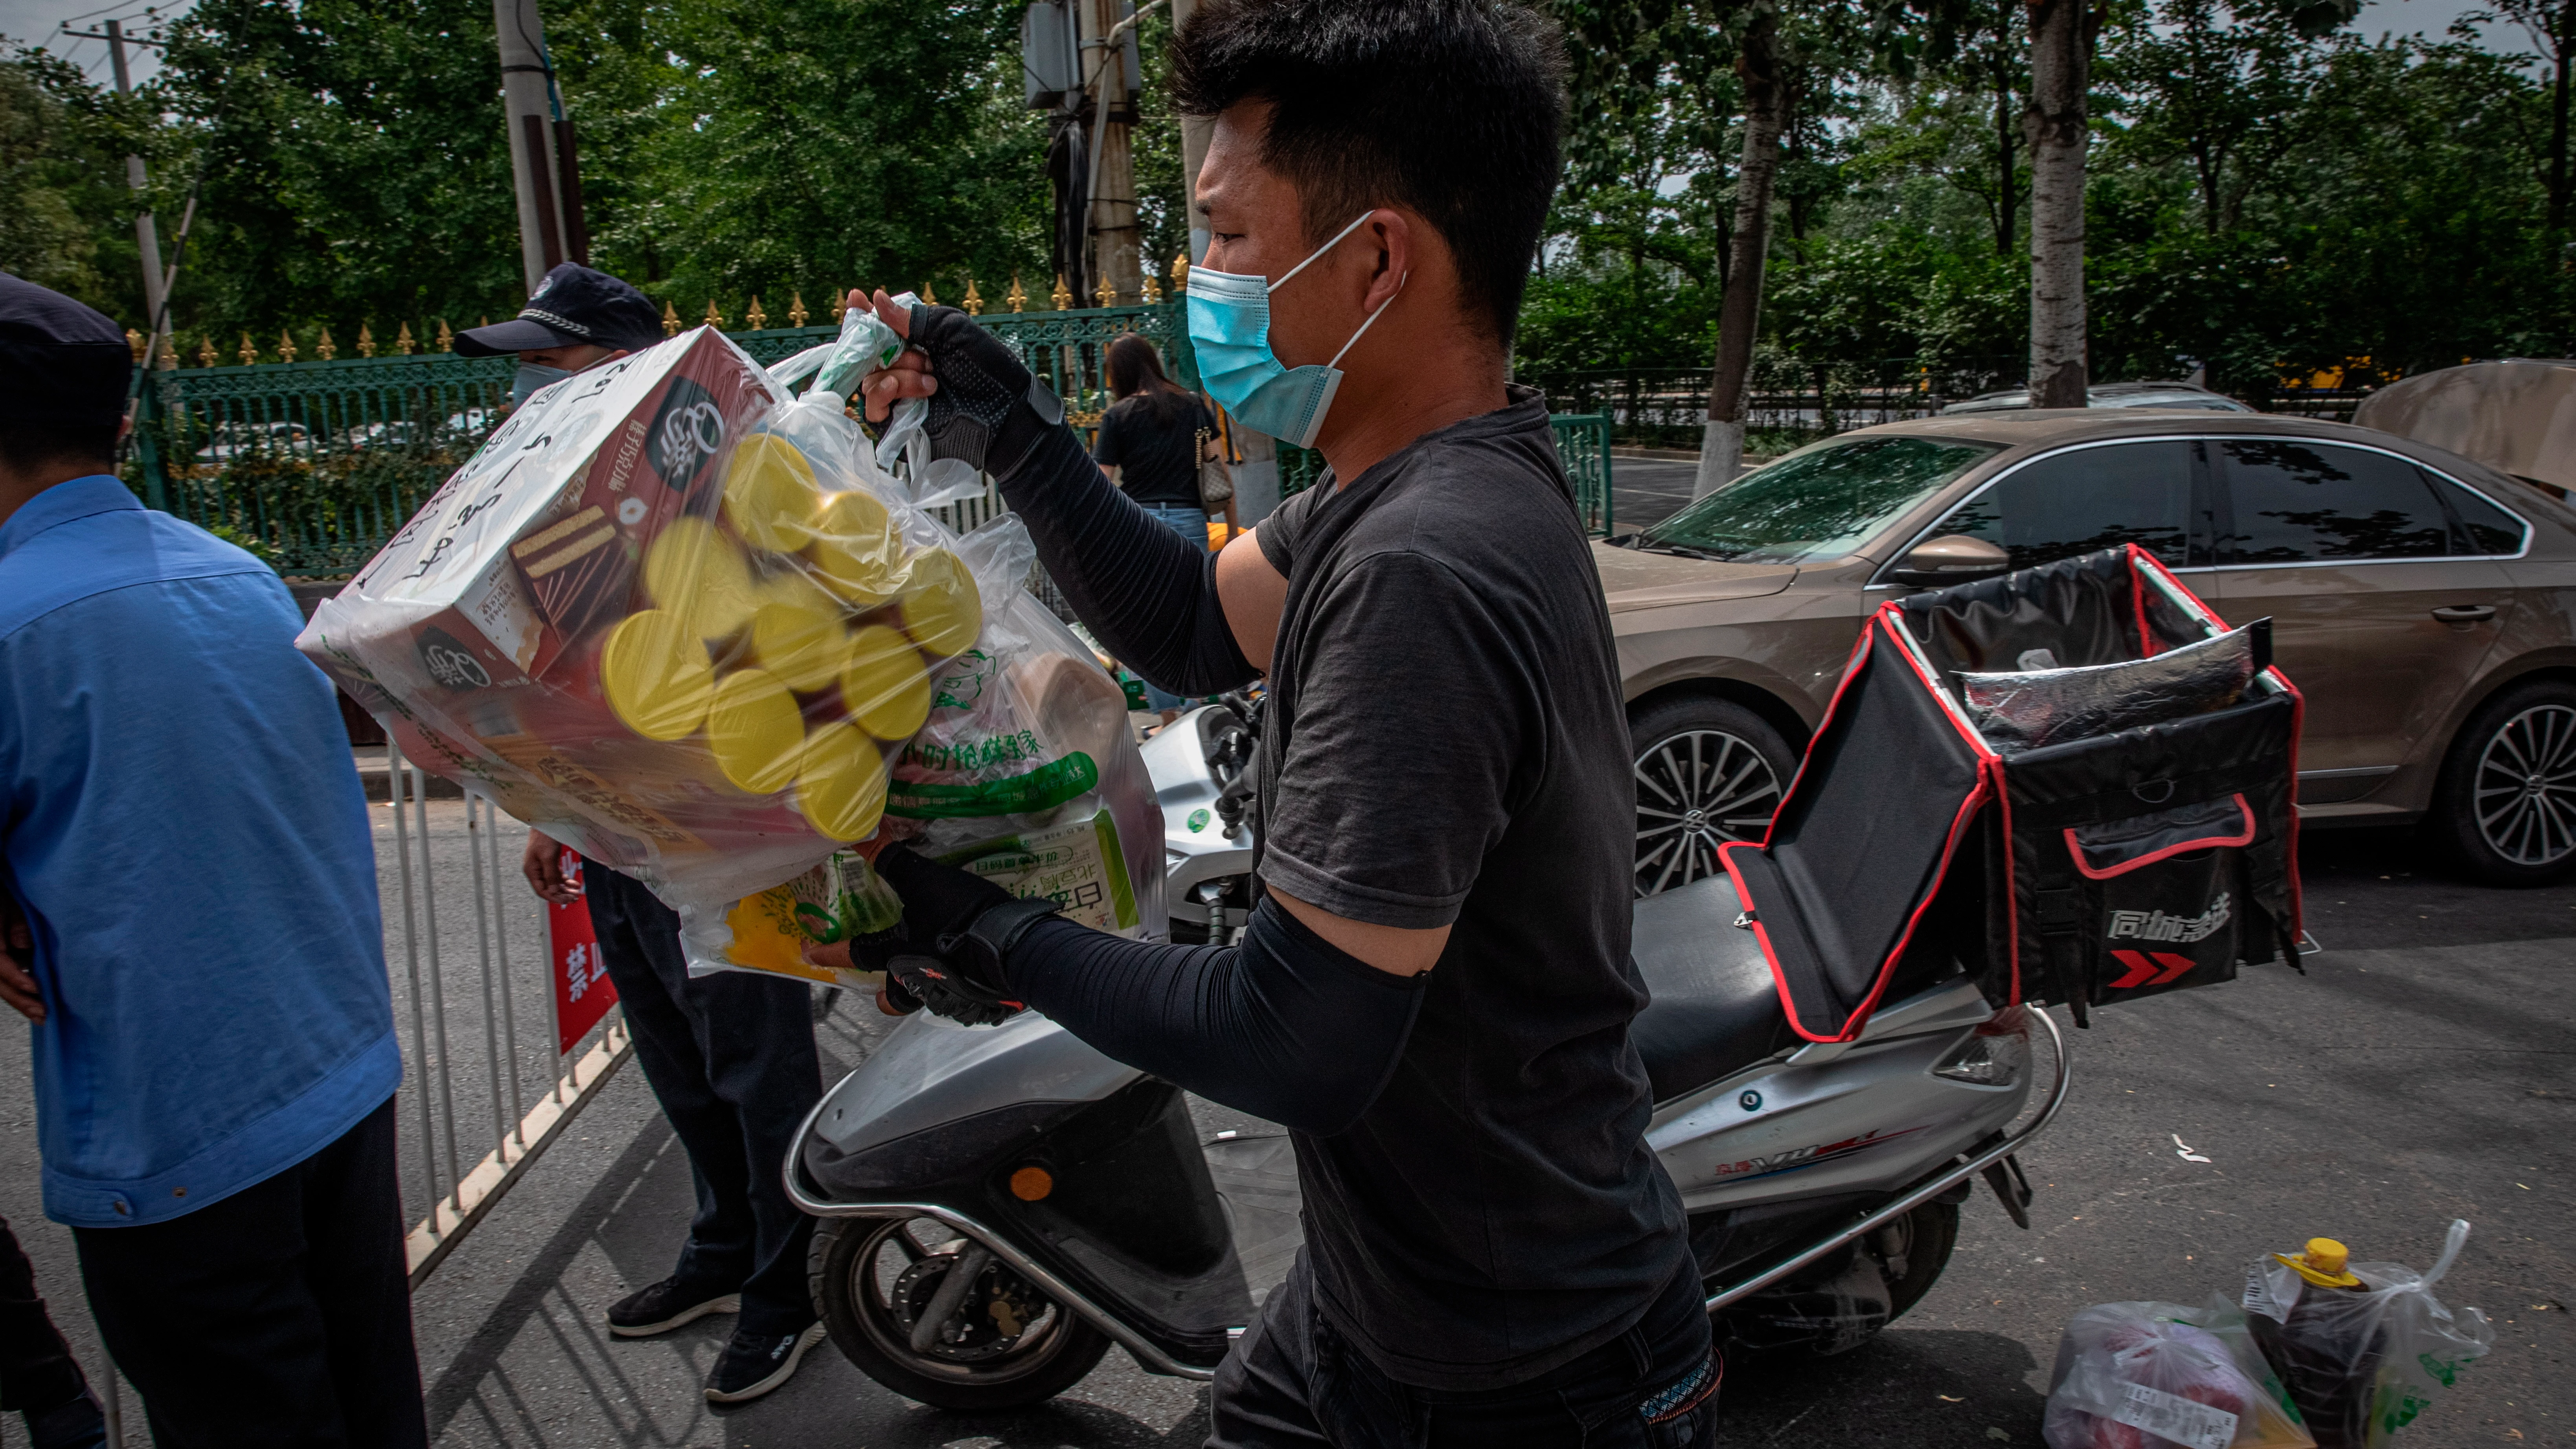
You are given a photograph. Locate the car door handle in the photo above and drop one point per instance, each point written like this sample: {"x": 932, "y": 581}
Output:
{"x": 2464, "y": 613}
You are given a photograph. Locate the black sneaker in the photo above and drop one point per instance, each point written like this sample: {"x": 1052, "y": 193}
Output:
{"x": 76, "y": 1425}
{"x": 665, "y": 1306}
{"x": 753, "y": 1365}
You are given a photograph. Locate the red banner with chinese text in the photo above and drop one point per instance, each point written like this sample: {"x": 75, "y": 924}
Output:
{"x": 583, "y": 992}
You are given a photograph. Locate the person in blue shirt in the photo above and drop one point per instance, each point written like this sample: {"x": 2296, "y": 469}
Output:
{"x": 192, "y": 929}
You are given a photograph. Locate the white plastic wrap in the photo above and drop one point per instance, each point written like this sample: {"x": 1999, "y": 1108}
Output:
{"x": 2159, "y": 1375}
{"x": 668, "y": 617}
{"x": 1026, "y": 772}
{"x": 2362, "y": 1364}
{"x": 2046, "y": 705}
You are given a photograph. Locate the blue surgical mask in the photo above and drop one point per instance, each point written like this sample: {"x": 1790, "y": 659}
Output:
{"x": 532, "y": 378}
{"x": 1230, "y": 328}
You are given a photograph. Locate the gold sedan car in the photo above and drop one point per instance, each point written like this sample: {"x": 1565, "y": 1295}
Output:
{"x": 2424, "y": 604}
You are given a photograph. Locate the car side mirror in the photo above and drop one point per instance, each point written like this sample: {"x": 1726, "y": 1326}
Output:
{"x": 1953, "y": 558}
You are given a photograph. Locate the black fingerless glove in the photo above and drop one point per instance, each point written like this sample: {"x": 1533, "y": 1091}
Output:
{"x": 947, "y": 951}
{"x": 990, "y": 410}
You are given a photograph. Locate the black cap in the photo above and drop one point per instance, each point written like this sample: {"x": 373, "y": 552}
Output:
{"x": 61, "y": 363}
{"x": 572, "y": 306}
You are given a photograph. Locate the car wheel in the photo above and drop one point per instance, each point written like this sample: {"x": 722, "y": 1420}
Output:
{"x": 1709, "y": 771}
{"x": 2505, "y": 807}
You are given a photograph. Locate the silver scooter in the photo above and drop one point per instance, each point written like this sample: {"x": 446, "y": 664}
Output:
{"x": 1002, "y": 1203}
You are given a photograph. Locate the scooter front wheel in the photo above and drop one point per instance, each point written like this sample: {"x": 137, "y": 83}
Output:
{"x": 939, "y": 1320}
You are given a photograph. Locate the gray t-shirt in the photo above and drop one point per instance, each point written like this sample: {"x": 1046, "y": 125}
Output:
{"x": 1445, "y": 746}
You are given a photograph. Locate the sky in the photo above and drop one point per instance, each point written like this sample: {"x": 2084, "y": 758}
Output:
{"x": 40, "y": 21}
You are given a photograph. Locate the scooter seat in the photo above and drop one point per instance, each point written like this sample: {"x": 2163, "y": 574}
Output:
{"x": 1714, "y": 1008}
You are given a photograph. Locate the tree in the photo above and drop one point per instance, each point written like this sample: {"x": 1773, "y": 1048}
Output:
{"x": 2552, "y": 26}
{"x": 2053, "y": 121}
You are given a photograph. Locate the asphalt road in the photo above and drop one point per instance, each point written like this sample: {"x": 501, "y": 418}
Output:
{"x": 2420, "y": 1071}
{"x": 1646, "y": 491}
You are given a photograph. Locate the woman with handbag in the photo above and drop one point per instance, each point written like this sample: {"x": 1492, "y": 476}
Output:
{"x": 1159, "y": 443}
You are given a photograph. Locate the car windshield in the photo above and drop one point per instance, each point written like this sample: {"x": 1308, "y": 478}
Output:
{"x": 1819, "y": 502}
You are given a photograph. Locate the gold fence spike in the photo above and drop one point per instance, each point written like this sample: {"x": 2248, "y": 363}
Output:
{"x": 206, "y": 350}
{"x": 169, "y": 353}
{"x": 134, "y": 344}
{"x": 366, "y": 341}
{"x": 324, "y": 347}
{"x": 1017, "y": 299}
{"x": 929, "y": 298}
{"x": 796, "y": 313}
{"x": 974, "y": 303}
{"x": 1107, "y": 294}
{"x": 286, "y": 344}
{"x": 753, "y": 315}
{"x": 486, "y": 322}
{"x": 1062, "y": 296}
{"x": 670, "y": 320}
{"x": 446, "y": 339}
{"x": 840, "y": 303}
{"x": 402, "y": 340}
{"x": 1153, "y": 291}
{"x": 714, "y": 317}
{"x": 249, "y": 353}
{"x": 1180, "y": 271}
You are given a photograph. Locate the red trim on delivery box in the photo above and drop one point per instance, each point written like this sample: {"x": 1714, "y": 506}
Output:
{"x": 2245, "y": 836}
{"x": 2138, "y": 603}
{"x": 1851, "y": 671}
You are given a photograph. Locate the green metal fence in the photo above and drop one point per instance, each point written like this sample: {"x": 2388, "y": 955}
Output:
{"x": 1582, "y": 441}
{"x": 313, "y": 465}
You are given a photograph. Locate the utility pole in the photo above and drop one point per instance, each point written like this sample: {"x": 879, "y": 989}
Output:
{"x": 545, "y": 167}
{"x": 147, "y": 236}
{"x": 1106, "y": 44}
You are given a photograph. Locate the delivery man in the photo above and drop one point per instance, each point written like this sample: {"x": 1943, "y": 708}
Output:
{"x": 1434, "y": 993}
{"x": 731, "y": 1056}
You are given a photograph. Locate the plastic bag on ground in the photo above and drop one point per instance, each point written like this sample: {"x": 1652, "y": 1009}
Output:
{"x": 666, "y": 616}
{"x": 2153, "y": 1375}
{"x": 1026, "y": 772}
{"x": 2362, "y": 1361}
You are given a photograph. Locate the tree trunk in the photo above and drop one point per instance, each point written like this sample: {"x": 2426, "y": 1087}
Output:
{"x": 2565, "y": 38}
{"x": 1740, "y": 315}
{"x": 2060, "y": 65}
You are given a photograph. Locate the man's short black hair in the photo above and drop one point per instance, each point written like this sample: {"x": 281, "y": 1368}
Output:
{"x": 27, "y": 447}
{"x": 1453, "y": 109}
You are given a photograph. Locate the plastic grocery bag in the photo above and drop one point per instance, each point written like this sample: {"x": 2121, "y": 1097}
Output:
{"x": 1027, "y": 772}
{"x": 2148, "y": 1375}
{"x": 2363, "y": 1361}
{"x": 668, "y": 617}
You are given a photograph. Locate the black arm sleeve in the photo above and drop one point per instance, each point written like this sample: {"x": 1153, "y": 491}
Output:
{"x": 1148, "y": 596}
{"x": 1285, "y": 1026}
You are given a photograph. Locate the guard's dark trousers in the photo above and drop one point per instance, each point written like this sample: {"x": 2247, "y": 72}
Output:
{"x": 279, "y": 1316}
{"x": 731, "y": 1058}
{"x": 37, "y": 1370}
{"x": 1294, "y": 1381}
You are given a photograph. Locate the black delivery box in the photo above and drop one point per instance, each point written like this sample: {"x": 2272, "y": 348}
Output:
{"x": 2074, "y": 782}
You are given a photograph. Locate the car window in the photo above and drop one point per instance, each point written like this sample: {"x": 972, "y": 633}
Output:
{"x": 2297, "y": 502}
{"x": 2085, "y": 499}
{"x": 2490, "y": 529}
{"x": 1819, "y": 502}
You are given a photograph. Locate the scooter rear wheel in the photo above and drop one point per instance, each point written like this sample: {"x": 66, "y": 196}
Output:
{"x": 1001, "y": 1346}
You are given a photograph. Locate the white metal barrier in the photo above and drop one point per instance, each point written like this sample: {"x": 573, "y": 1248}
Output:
{"x": 466, "y": 1157}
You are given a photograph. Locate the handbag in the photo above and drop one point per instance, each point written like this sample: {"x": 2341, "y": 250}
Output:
{"x": 1216, "y": 477}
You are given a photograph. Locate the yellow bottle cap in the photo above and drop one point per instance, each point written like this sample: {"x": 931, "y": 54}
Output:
{"x": 884, "y": 685}
{"x": 854, "y": 550}
{"x": 656, "y": 675}
{"x": 795, "y": 585}
{"x": 804, "y": 647}
{"x": 841, "y": 787}
{"x": 770, "y": 495}
{"x": 698, "y": 572}
{"x": 941, "y": 609}
{"x": 755, "y": 731}
{"x": 2324, "y": 1264}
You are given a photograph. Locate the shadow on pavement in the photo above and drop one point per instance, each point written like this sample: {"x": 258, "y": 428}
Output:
{"x": 1914, "y": 1388}
{"x": 2381, "y": 888}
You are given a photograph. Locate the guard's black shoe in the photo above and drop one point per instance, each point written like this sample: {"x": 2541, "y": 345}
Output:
{"x": 76, "y": 1425}
{"x": 665, "y": 1306}
{"x": 753, "y": 1364}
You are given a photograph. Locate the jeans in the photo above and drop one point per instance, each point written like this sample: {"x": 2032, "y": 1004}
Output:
{"x": 1294, "y": 1380}
{"x": 279, "y": 1316}
{"x": 1192, "y": 524}
{"x": 731, "y": 1059}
